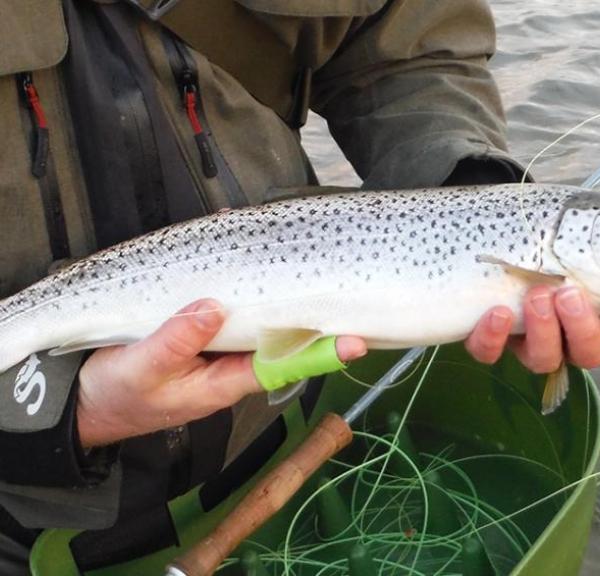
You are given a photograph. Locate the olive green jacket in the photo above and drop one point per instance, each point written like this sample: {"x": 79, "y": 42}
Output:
{"x": 403, "y": 85}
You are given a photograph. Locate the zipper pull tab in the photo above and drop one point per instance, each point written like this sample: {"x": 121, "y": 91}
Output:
{"x": 190, "y": 97}
{"x": 31, "y": 99}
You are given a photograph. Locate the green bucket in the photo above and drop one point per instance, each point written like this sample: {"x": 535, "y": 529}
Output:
{"x": 494, "y": 487}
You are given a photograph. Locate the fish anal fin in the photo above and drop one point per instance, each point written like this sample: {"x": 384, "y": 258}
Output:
{"x": 529, "y": 276}
{"x": 279, "y": 343}
{"x": 557, "y": 386}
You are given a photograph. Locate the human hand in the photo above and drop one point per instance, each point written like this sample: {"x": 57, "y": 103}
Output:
{"x": 547, "y": 315}
{"x": 161, "y": 381}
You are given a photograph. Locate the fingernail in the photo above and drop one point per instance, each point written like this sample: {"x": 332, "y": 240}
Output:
{"x": 571, "y": 301}
{"x": 499, "y": 321}
{"x": 208, "y": 313}
{"x": 542, "y": 304}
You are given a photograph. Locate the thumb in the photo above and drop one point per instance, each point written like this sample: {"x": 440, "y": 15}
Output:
{"x": 180, "y": 339}
{"x": 326, "y": 355}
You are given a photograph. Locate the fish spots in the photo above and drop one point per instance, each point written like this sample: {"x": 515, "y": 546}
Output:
{"x": 358, "y": 239}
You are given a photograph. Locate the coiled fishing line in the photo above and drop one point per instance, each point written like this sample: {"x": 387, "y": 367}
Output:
{"x": 389, "y": 497}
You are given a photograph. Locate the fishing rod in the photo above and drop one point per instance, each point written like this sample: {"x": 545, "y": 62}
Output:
{"x": 331, "y": 435}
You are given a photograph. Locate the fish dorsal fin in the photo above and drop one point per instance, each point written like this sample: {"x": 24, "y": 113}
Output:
{"x": 557, "y": 386}
{"x": 529, "y": 276}
{"x": 90, "y": 343}
{"x": 279, "y": 343}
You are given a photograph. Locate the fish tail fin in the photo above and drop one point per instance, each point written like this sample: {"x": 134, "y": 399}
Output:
{"x": 557, "y": 386}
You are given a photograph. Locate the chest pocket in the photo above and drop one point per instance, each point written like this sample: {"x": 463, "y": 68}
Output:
{"x": 32, "y": 35}
{"x": 40, "y": 203}
{"x": 297, "y": 35}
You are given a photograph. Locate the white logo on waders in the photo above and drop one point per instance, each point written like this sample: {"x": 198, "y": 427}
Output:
{"x": 28, "y": 381}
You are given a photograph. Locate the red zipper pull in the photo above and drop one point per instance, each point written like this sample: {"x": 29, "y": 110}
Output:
{"x": 33, "y": 100}
{"x": 42, "y": 135}
{"x": 191, "y": 106}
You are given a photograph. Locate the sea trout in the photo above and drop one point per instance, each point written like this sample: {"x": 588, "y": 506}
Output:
{"x": 398, "y": 268}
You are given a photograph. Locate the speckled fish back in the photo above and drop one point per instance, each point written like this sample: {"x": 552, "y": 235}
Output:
{"x": 421, "y": 241}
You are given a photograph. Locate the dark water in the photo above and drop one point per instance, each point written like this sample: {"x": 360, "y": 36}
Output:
{"x": 548, "y": 69}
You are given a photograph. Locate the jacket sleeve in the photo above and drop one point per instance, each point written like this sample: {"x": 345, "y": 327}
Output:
{"x": 409, "y": 94}
{"x": 45, "y": 477}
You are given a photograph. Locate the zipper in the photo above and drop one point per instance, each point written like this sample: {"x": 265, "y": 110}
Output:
{"x": 213, "y": 163}
{"x": 42, "y": 168}
{"x": 190, "y": 102}
{"x": 31, "y": 100}
{"x": 186, "y": 78}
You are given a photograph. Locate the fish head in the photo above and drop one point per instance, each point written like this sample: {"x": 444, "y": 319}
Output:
{"x": 576, "y": 242}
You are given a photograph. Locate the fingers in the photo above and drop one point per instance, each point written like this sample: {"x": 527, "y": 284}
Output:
{"x": 541, "y": 348}
{"x": 487, "y": 341}
{"x": 179, "y": 340}
{"x": 217, "y": 385}
{"x": 233, "y": 376}
{"x": 544, "y": 313}
{"x": 228, "y": 379}
{"x": 581, "y": 326}
{"x": 350, "y": 348}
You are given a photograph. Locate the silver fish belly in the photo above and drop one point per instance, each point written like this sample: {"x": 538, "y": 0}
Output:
{"x": 398, "y": 268}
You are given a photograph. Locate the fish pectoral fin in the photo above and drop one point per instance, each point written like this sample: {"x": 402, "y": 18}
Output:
{"x": 279, "y": 343}
{"x": 529, "y": 276}
{"x": 286, "y": 393}
{"x": 90, "y": 343}
{"x": 557, "y": 386}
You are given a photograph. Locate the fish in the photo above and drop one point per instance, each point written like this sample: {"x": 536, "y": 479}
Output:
{"x": 398, "y": 268}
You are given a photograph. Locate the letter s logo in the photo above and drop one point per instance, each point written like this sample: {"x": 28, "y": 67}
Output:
{"x": 28, "y": 382}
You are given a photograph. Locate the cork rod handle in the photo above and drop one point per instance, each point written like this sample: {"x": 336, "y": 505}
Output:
{"x": 266, "y": 498}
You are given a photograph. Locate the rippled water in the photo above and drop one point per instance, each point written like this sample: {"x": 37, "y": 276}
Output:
{"x": 548, "y": 70}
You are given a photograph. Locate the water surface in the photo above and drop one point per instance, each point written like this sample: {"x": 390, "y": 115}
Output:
{"x": 548, "y": 69}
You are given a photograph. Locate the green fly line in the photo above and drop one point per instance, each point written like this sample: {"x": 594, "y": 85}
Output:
{"x": 405, "y": 377}
{"x": 412, "y": 512}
